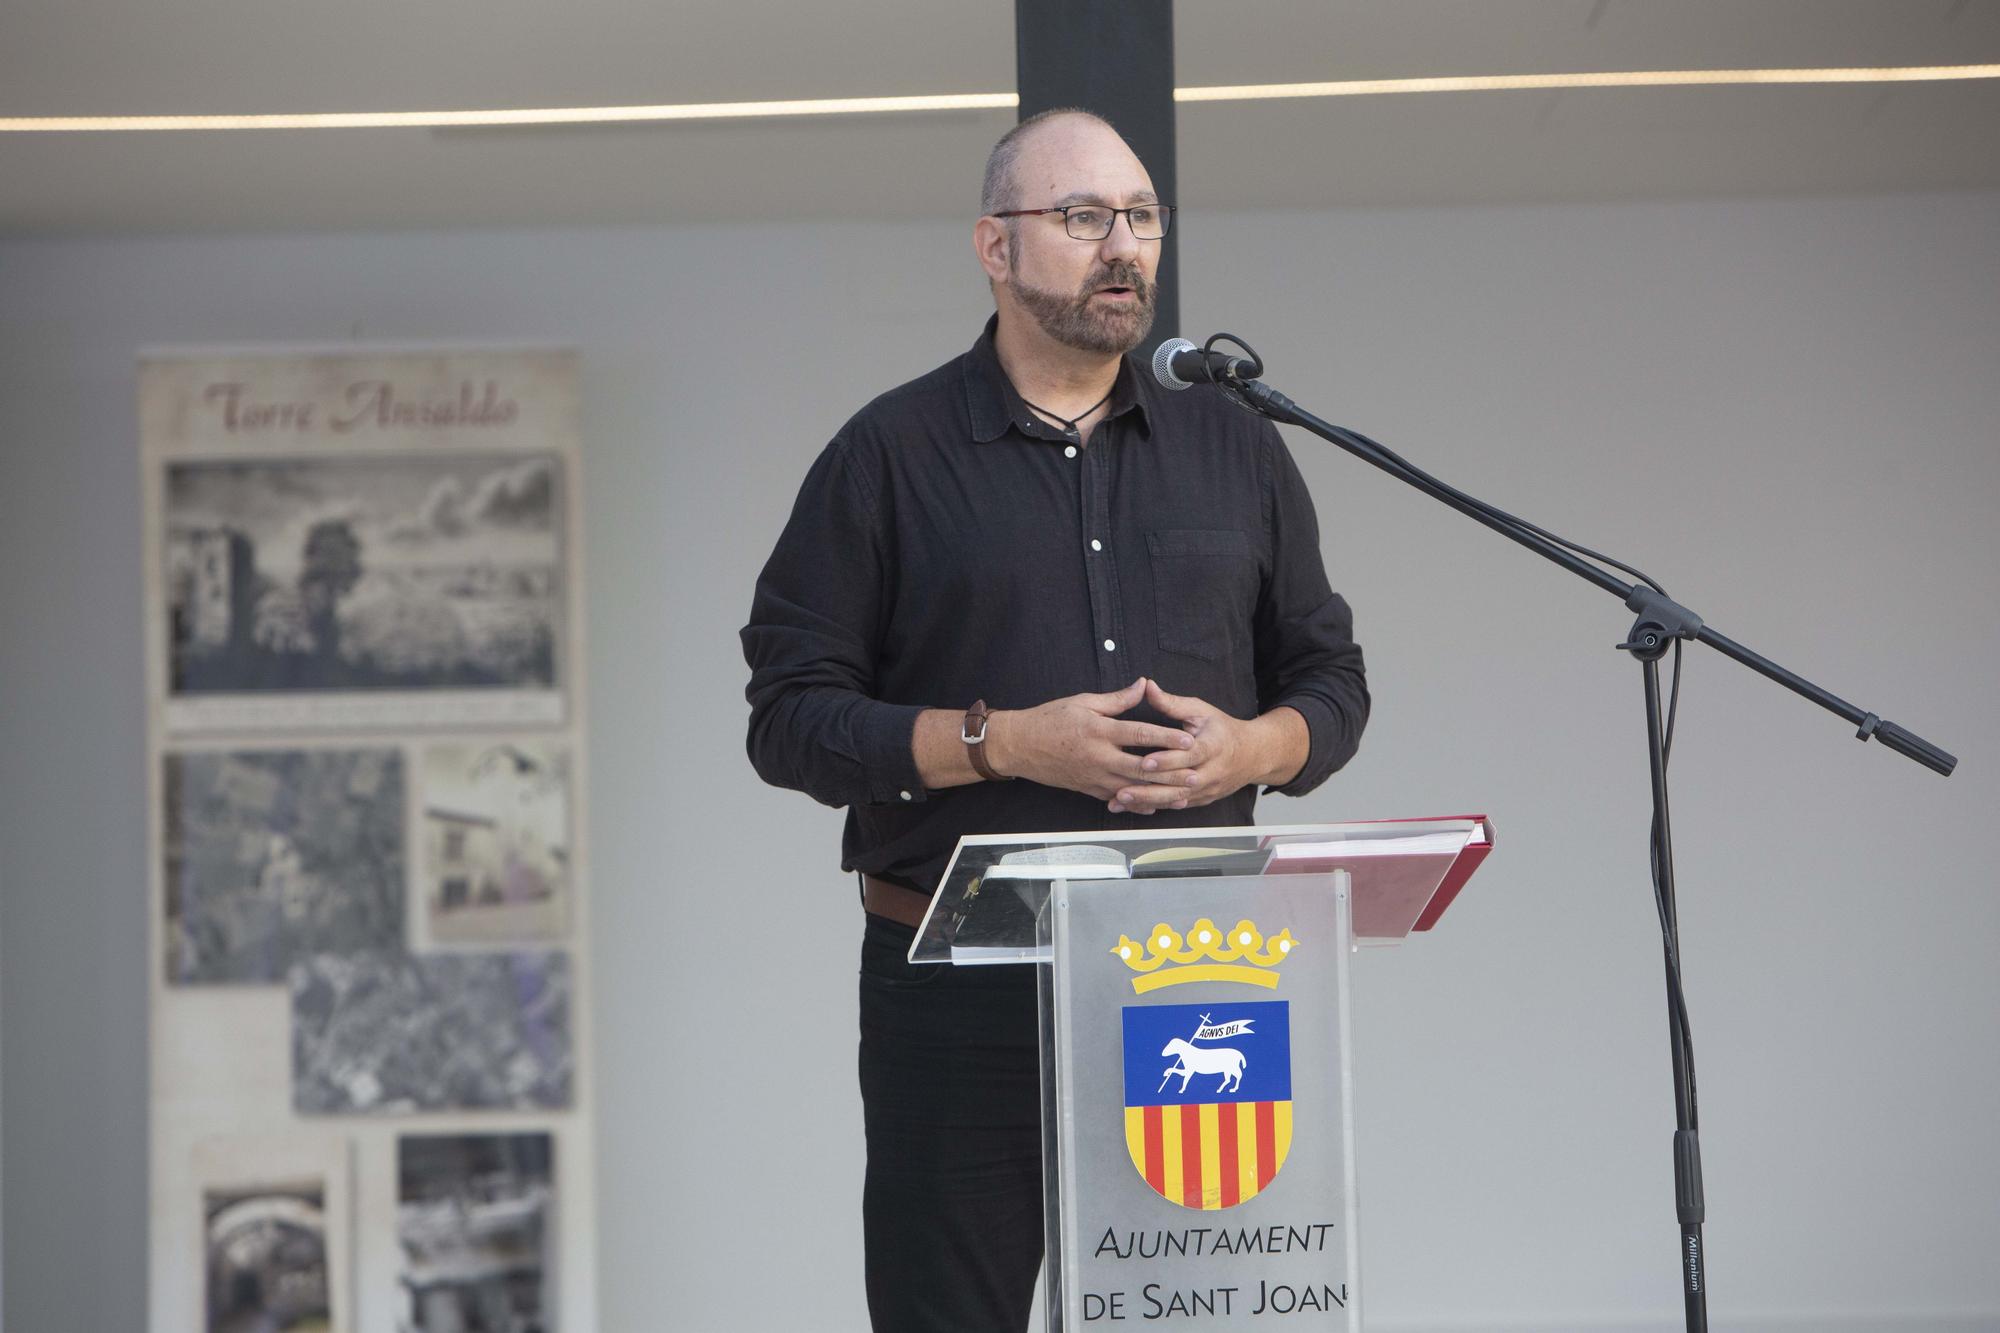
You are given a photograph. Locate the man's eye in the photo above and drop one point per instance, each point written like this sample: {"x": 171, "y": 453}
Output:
{"x": 1142, "y": 217}
{"x": 1086, "y": 217}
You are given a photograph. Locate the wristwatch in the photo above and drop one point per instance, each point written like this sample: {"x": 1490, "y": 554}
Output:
{"x": 973, "y": 733}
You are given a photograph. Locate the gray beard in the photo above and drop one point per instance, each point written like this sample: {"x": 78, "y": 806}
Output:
{"x": 1074, "y": 322}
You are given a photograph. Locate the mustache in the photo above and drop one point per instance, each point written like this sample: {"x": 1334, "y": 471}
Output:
{"x": 1120, "y": 274}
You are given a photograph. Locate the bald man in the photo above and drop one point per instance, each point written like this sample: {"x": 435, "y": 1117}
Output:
{"x": 1030, "y": 591}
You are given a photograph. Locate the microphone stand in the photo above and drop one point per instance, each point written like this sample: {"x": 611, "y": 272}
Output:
{"x": 1662, "y": 623}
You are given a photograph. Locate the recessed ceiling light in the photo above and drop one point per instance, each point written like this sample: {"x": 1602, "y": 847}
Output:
{"x": 849, "y": 106}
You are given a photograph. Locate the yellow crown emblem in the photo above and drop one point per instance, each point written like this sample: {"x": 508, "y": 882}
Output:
{"x": 1205, "y": 953}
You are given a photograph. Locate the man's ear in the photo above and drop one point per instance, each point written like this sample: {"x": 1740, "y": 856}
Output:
{"x": 989, "y": 243}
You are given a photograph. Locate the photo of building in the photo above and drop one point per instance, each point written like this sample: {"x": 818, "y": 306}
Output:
{"x": 496, "y": 847}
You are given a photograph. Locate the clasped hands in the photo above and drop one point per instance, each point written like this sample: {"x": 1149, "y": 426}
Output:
{"x": 1083, "y": 743}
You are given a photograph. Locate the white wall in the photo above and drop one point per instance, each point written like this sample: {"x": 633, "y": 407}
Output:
{"x": 1783, "y": 409}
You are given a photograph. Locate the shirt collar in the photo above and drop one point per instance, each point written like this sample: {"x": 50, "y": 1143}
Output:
{"x": 994, "y": 406}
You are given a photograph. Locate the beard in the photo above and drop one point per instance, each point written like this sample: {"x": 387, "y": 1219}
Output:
{"x": 1080, "y": 322}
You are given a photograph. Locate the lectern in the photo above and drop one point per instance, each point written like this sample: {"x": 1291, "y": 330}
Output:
{"x": 1197, "y": 1104}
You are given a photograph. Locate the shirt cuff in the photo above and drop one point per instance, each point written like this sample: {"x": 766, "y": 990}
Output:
{"x": 1319, "y": 731}
{"x": 889, "y": 756}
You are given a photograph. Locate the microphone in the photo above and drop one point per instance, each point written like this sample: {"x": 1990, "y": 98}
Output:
{"x": 1179, "y": 364}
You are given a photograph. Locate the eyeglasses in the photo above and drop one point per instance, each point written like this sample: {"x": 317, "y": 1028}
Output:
{"x": 1093, "y": 222}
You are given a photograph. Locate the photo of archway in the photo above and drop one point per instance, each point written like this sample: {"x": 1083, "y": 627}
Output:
{"x": 267, "y": 1259}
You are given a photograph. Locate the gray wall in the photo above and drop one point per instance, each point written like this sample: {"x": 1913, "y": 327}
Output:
{"x": 1783, "y": 409}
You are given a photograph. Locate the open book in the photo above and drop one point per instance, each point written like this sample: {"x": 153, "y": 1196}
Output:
{"x": 1093, "y": 861}
{"x": 1063, "y": 860}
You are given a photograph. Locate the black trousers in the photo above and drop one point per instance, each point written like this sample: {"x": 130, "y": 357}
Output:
{"x": 951, "y": 1099}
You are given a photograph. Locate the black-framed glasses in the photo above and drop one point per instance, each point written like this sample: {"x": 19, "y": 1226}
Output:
{"x": 1093, "y": 222}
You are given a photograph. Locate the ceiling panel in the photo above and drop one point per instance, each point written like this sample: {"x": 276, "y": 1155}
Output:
{"x": 135, "y": 57}
{"x": 1590, "y": 145}
{"x": 132, "y": 56}
{"x": 1277, "y": 41}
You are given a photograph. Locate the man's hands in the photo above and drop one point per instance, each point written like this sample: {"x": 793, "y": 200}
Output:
{"x": 1079, "y": 743}
{"x": 1227, "y": 754}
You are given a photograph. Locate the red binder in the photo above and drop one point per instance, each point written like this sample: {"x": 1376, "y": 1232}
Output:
{"x": 1406, "y": 892}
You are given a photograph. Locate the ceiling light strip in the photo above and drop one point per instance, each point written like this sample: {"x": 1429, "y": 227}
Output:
{"x": 1655, "y": 78}
{"x": 849, "y": 106}
{"x": 565, "y": 115}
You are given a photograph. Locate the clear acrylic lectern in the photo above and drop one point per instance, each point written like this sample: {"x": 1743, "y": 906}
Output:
{"x": 1197, "y": 1125}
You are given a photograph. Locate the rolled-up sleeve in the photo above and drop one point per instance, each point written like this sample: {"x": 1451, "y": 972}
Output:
{"x": 811, "y": 645}
{"x": 1306, "y": 655}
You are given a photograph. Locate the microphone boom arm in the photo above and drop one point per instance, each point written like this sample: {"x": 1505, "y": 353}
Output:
{"x": 1667, "y": 619}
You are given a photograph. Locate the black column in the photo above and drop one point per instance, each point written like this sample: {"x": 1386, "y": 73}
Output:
{"x": 1114, "y": 57}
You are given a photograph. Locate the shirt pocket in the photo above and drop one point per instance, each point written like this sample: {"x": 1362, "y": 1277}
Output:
{"x": 1204, "y": 590}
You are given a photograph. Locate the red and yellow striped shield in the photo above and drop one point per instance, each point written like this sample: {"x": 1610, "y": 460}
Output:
{"x": 1210, "y": 1154}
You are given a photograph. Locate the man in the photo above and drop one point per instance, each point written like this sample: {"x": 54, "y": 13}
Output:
{"x": 1130, "y": 579}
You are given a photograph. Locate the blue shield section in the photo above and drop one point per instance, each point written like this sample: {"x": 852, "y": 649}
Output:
{"x": 1261, "y": 1057}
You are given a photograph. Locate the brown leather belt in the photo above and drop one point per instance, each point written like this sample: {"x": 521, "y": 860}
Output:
{"x": 893, "y": 901}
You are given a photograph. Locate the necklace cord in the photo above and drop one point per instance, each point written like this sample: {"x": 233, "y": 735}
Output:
{"x": 1069, "y": 423}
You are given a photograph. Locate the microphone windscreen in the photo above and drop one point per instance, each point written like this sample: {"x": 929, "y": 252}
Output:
{"x": 1163, "y": 363}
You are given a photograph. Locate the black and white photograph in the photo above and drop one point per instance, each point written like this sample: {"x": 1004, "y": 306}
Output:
{"x": 496, "y": 848}
{"x": 474, "y": 1219}
{"x": 363, "y": 574}
{"x": 273, "y": 855}
{"x": 268, "y": 1269}
{"x": 393, "y": 1033}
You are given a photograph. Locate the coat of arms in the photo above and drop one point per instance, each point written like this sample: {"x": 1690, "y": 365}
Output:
{"x": 1208, "y": 1098}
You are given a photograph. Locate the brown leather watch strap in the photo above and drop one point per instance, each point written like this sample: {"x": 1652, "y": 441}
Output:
{"x": 973, "y": 733}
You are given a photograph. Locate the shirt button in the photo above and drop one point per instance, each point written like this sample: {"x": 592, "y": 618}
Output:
{"x": 1110, "y": 646}
{"x": 1096, "y": 545}
{"x": 1069, "y": 451}
{"x": 906, "y": 796}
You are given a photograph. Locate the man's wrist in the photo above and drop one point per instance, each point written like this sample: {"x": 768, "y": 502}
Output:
{"x": 1283, "y": 744}
{"x": 998, "y": 727}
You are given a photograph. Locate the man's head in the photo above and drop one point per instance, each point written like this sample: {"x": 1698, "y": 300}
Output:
{"x": 1089, "y": 295}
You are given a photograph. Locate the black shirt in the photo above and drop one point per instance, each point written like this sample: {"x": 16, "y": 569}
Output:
{"x": 949, "y": 545}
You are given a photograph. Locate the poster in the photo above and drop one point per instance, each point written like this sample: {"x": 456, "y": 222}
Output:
{"x": 368, "y": 896}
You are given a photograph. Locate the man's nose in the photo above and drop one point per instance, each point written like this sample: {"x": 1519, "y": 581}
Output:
{"x": 1121, "y": 243}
